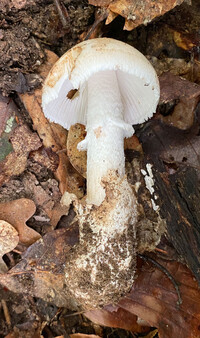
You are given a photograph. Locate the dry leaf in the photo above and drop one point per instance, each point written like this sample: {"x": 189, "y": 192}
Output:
{"x": 17, "y": 212}
{"x": 154, "y": 299}
{"x": 45, "y": 157}
{"x": 189, "y": 70}
{"x": 8, "y": 241}
{"x": 182, "y": 96}
{"x": 40, "y": 273}
{"x": 136, "y": 12}
{"x": 77, "y": 158}
{"x": 22, "y": 141}
{"x": 187, "y": 41}
{"x": 53, "y": 135}
{"x": 116, "y": 317}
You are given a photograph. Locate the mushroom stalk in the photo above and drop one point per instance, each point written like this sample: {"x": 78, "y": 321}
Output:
{"x": 106, "y": 130}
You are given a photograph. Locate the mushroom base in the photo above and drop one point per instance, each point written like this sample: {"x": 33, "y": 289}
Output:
{"x": 101, "y": 268}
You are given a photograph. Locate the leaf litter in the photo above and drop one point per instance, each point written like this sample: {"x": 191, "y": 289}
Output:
{"x": 32, "y": 157}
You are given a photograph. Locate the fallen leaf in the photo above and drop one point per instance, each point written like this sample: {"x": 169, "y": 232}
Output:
{"x": 187, "y": 69}
{"x": 187, "y": 41}
{"x": 182, "y": 97}
{"x": 40, "y": 273}
{"x": 77, "y": 158}
{"x": 174, "y": 88}
{"x": 46, "y": 157}
{"x": 116, "y": 317}
{"x": 17, "y": 212}
{"x": 8, "y": 116}
{"x": 22, "y": 140}
{"x": 53, "y": 135}
{"x": 154, "y": 299}
{"x": 136, "y": 12}
{"x": 8, "y": 241}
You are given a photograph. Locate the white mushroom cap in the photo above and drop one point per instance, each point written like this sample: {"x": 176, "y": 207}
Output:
{"x": 137, "y": 81}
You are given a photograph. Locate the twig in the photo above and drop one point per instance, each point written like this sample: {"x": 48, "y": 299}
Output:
{"x": 167, "y": 273}
{"x": 100, "y": 16}
{"x": 62, "y": 12}
{"x": 6, "y": 312}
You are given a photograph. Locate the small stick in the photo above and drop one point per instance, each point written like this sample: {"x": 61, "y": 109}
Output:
{"x": 166, "y": 272}
{"x": 100, "y": 16}
{"x": 62, "y": 12}
{"x": 6, "y": 312}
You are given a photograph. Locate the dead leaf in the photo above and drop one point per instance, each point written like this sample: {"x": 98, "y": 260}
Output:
{"x": 187, "y": 41}
{"x": 53, "y": 135}
{"x": 22, "y": 141}
{"x": 77, "y": 158}
{"x": 46, "y": 157}
{"x": 40, "y": 273}
{"x": 189, "y": 70}
{"x": 116, "y": 317}
{"x": 174, "y": 88}
{"x": 136, "y": 12}
{"x": 182, "y": 97}
{"x": 8, "y": 241}
{"x": 8, "y": 116}
{"x": 17, "y": 212}
{"x": 154, "y": 299}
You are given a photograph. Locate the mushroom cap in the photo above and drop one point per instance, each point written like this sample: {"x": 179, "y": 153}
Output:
{"x": 137, "y": 80}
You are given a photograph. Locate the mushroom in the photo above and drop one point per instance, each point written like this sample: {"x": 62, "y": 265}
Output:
{"x": 106, "y": 85}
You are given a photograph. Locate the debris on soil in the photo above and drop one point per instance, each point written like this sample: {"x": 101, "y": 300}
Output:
{"x": 17, "y": 212}
{"x": 36, "y": 167}
{"x": 179, "y": 98}
{"x": 8, "y": 241}
{"x": 134, "y": 12}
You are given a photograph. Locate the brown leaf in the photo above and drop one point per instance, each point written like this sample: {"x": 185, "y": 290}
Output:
{"x": 116, "y": 317}
{"x": 77, "y": 158}
{"x": 22, "y": 141}
{"x": 45, "y": 157}
{"x": 53, "y": 135}
{"x": 8, "y": 241}
{"x": 154, "y": 299}
{"x": 183, "y": 97}
{"x": 17, "y": 212}
{"x": 174, "y": 87}
{"x": 136, "y": 12}
{"x": 40, "y": 273}
{"x": 186, "y": 41}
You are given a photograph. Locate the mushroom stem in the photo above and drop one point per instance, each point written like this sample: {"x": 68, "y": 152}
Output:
{"x": 106, "y": 130}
